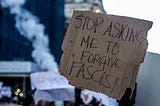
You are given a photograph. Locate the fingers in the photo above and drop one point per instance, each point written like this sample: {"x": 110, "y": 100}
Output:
{"x": 133, "y": 98}
{"x": 125, "y": 100}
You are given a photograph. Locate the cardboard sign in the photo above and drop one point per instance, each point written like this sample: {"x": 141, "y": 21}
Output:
{"x": 103, "y": 52}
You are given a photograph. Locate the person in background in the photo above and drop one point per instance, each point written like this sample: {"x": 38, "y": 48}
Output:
{"x": 128, "y": 98}
{"x": 44, "y": 103}
{"x": 28, "y": 100}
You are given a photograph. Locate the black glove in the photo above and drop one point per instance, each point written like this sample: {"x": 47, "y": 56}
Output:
{"x": 127, "y": 100}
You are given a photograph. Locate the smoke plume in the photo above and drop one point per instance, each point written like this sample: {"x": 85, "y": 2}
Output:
{"x": 29, "y": 26}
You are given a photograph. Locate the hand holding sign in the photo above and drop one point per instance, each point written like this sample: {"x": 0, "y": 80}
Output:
{"x": 128, "y": 99}
{"x": 103, "y": 52}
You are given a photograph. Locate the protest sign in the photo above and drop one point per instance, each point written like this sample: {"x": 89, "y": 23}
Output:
{"x": 48, "y": 80}
{"x": 51, "y": 86}
{"x": 107, "y": 101}
{"x": 103, "y": 52}
{"x": 65, "y": 94}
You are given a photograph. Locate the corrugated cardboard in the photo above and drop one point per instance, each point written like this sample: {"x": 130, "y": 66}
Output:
{"x": 103, "y": 52}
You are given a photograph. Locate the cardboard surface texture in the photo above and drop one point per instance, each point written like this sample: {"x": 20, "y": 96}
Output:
{"x": 103, "y": 52}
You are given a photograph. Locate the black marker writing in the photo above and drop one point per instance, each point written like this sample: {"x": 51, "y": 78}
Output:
{"x": 88, "y": 23}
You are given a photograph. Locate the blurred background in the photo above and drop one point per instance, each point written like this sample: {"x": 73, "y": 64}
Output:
{"x": 32, "y": 31}
{"x": 31, "y": 35}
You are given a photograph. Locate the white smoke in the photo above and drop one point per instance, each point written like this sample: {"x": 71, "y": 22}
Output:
{"x": 29, "y": 26}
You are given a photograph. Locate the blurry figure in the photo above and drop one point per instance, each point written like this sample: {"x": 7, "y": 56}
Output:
{"x": 52, "y": 103}
{"x": 78, "y": 100}
{"x": 69, "y": 103}
{"x": 43, "y": 103}
{"x": 5, "y": 94}
{"x": 28, "y": 100}
{"x": 15, "y": 100}
{"x": 5, "y": 100}
{"x": 127, "y": 99}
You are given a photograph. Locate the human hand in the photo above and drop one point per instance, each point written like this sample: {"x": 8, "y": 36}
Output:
{"x": 128, "y": 99}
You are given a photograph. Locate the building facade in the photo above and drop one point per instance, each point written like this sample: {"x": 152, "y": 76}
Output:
{"x": 18, "y": 49}
{"x": 82, "y": 5}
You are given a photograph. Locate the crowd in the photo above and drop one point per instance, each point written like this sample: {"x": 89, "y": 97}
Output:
{"x": 128, "y": 99}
